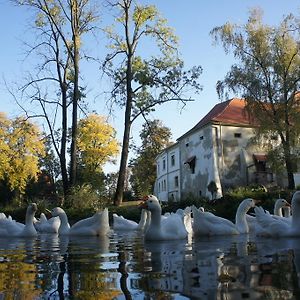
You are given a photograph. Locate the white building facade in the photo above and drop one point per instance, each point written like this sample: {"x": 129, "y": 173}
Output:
{"x": 167, "y": 184}
{"x": 218, "y": 149}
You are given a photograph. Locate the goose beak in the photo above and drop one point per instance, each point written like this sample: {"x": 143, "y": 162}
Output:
{"x": 143, "y": 205}
{"x": 287, "y": 205}
{"x": 256, "y": 201}
{"x": 48, "y": 213}
{"x": 34, "y": 207}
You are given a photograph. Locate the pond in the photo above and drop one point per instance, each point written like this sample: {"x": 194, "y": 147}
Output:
{"x": 123, "y": 266}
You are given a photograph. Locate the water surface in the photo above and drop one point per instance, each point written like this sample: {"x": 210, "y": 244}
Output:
{"x": 124, "y": 266}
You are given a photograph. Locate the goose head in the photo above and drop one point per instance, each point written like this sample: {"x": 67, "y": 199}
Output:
{"x": 248, "y": 203}
{"x": 151, "y": 203}
{"x": 57, "y": 211}
{"x": 30, "y": 212}
{"x": 32, "y": 208}
{"x": 279, "y": 204}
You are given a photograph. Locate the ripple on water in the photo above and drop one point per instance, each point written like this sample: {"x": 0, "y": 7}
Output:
{"x": 124, "y": 264}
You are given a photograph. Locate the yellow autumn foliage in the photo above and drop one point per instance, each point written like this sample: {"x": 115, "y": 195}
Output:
{"x": 21, "y": 145}
{"x": 96, "y": 142}
{"x": 16, "y": 275}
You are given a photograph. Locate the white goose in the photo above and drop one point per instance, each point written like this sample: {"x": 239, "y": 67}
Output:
{"x": 206, "y": 223}
{"x": 276, "y": 227}
{"x": 186, "y": 215}
{"x": 11, "y": 228}
{"x": 98, "y": 224}
{"x": 279, "y": 205}
{"x": 121, "y": 223}
{"x": 167, "y": 228}
{"x": 45, "y": 225}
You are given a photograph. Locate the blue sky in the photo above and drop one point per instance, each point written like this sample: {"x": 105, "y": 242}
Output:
{"x": 192, "y": 21}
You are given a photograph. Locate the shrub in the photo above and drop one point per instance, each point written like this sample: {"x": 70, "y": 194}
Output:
{"x": 84, "y": 197}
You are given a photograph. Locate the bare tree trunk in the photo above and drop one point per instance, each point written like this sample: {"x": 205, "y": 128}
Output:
{"x": 127, "y": 126}
{"x": 123, "y": 164}
{"x": 62, "y": 154}
{"x": 76, "y": 96}
{"x": 289, "y": 167}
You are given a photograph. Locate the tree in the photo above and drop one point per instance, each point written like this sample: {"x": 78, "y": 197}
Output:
{"x": 21, "y": 147}
{"x": 143, "y": 82}
{"x": 55, "y": 85}
{"x": 49, "y": 163}
{"x": 267, "y": 76}
{"x": 97, "y": 145}
{"x": 212, "y": 188}
{"x": 155, "y": 137}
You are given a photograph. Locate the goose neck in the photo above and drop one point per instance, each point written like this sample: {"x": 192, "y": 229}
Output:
{"x": 63, "y": 218}
{"x": 29, "y": 218}
{"x": 155, "y": 218}
{"x": 240, "y": 218}
{"x": 278, "y": 211}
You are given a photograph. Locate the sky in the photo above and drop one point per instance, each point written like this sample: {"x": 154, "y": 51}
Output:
{"x": 192, "y": 21}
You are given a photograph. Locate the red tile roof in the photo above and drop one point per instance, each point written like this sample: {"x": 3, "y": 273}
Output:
{"x": 230, "y": 112}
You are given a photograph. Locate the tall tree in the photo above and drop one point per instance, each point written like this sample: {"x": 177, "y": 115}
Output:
{"x": 56, "y": 83}
{"x": 155, "y": 137}
{"x": 267, "y": 76}
{"x": 141, "y": 81}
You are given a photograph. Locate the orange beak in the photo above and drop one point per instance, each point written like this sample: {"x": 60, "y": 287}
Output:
{"x": 256, "y": 201}
{"x": 143, "y": 205}
{"x": 48, "y": 213}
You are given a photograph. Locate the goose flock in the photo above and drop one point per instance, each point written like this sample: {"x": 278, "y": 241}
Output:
{"x": 155, "y": 226}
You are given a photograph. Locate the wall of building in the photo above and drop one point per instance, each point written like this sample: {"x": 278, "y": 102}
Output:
{"x": 167, "y": 184}
{"x": 235, "y": 155}
{"x": 199, "y": 144}
{"x": 223, "y": 154}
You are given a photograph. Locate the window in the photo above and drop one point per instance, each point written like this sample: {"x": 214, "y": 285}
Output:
{"x": 159, "y": 187}
{"x": 191, "y": 162}
{"x": 260, "y": 162}
{"x": 176, "y": 181}
{"x": 173, "y": 160}
{"x": 164, "y": 185}
{"x": 187, "y": 142}
{"x": 158, "y": 168}
{"x": 164, "y": 164}
{"x": 237, "y": 135}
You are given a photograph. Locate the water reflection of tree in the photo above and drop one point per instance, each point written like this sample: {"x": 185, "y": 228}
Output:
{"x": 18, "y": 273}
{"x": 80, "y": 274}
{"x": 122, "y": 270}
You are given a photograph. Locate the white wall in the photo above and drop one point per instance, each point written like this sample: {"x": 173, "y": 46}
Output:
{"x": 168, "y": 164}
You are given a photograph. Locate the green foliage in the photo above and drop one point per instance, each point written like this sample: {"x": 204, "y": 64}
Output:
{"x": 155, "y": 137}
{"x": 84, "y": 197}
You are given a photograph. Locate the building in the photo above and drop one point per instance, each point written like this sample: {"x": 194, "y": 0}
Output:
{"x": 217, "y": 149}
